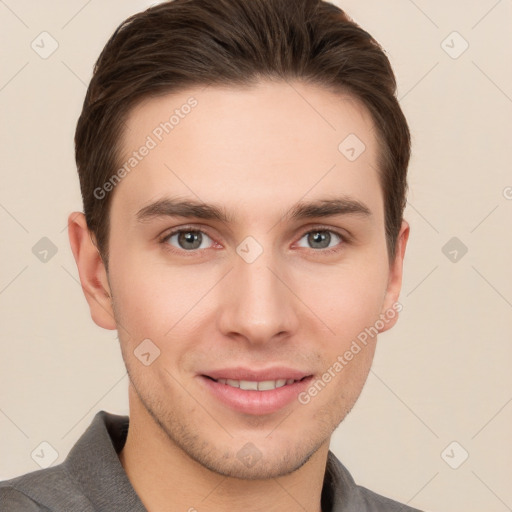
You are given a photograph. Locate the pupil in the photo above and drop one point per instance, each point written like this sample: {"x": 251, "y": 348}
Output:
{"x": 322, "y": 238}
{"x": 190, "y": 237}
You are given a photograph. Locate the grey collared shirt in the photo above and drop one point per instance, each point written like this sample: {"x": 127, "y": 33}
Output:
{"x": 92, "y": 479}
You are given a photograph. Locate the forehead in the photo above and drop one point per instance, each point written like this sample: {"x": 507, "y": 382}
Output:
{"x": 269, "y": 144}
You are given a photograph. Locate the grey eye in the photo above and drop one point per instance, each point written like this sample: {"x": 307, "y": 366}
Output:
{"x": 320, "y": 239}
{"x": 189, "y": 240}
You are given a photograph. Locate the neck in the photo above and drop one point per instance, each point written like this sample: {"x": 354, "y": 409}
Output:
{"x": 166, "y": 479}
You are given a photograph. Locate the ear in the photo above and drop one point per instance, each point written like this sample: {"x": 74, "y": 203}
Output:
{"x": 93, "y": 275}
{"x": 391, "y": 307}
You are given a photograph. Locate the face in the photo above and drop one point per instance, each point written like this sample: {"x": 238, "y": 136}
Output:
{"x": 247, "y": 248}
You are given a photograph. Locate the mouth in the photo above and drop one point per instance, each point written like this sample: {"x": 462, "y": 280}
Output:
{"x": 254, "y": 385}
{"x": 255, "y": 392}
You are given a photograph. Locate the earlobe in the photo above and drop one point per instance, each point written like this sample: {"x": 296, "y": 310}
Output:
{"x": 391, "y": 307}
{"x": 93, "y": 275}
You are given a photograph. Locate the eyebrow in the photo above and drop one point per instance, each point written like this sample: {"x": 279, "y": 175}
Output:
{"x": 168, "y": 207}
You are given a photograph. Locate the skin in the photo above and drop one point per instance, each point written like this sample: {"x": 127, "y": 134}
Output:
{"x": 255, "y": 152}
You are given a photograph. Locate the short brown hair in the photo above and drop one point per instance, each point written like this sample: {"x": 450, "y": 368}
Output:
{"x": 186, "y": 43}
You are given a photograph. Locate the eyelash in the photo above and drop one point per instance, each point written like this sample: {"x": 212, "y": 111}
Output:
{"x": 344, "y": 239}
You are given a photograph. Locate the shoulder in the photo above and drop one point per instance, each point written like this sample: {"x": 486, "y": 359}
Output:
{"x": 346, "y": 495}
{"x": 30, "y": 491}
{"x": 90, "y": 475}
{"x": 12, "y": 500}
{"x": 376, "y": 503}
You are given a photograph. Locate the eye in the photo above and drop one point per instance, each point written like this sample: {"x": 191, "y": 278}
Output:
{"x": 321, "y": 239}
{"x": 188, "y": 239}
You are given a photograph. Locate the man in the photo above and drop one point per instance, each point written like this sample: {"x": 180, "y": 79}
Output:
{"x": 243, "y": 171}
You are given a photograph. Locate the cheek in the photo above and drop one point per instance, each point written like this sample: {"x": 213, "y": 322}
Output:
{"x": 143, "y": 298}
{"x": 349, "y": 304}
{"x": 348, "y": 299}
{"x": 156, "y": 300}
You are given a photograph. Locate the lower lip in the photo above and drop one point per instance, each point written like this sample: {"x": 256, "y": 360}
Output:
{"x": 252, "y": 401}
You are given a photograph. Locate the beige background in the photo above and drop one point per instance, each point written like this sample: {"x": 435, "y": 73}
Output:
{"x": 441, "y": 375}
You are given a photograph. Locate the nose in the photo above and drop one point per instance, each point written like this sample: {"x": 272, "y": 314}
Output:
{"x": 258, "y": 304}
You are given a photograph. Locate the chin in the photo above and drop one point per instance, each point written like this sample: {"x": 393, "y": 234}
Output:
{"x": 239, "y": 457}
{"x": 250, "y": 463}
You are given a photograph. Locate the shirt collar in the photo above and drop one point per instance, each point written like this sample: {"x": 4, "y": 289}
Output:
{"x": 96, "y": 453}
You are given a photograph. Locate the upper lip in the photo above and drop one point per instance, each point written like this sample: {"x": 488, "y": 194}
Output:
{"x": 240, "y": 373}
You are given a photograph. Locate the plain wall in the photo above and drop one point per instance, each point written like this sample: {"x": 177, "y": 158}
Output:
{"x": 442, "y": 374}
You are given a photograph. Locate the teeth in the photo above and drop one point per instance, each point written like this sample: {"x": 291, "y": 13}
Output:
{"x": 266, "y": 385}
{"x": 251, "y": 385}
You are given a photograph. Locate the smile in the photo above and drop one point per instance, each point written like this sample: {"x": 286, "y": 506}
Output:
{"x": 255, "y": 392}
{"x": 252, "y": 385}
